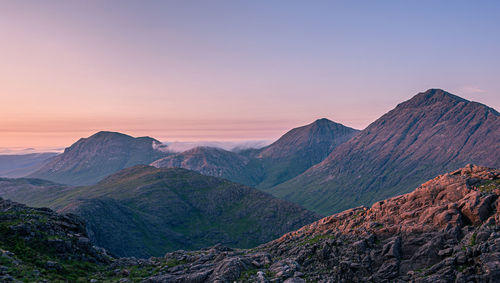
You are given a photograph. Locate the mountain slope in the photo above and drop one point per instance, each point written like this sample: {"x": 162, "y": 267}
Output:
{"x": 36, "y": 192}
{"x": 292, "y": 154}
{"x": 429, "y": 134}
{"x": 212, "y": 161}
{"x": 299, "y": 149}
{"x": 143, "y": 211}
{"x": 18, "y": 165}
{"x": 90, "y": 159}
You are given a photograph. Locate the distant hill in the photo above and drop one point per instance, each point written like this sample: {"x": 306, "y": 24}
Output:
{"x": 215, "y": 162}
{"x": 143, "y": 211}
{"x": 91, "y": 159}
{"x": 36, "y": 192}
{"x": 432, "y": 133}
{"x": 19, "y": 165}
{"x": 292, "y": 154}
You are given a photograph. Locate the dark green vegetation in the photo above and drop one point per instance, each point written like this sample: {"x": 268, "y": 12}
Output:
{"x": 38, "y": 243}
{"x": 292, "y": 154}
{"x": 91, "y": 159}
{"x": 144, "y": 211}
{"x": 14, "y": 166}
{"x": 430, "y": 134}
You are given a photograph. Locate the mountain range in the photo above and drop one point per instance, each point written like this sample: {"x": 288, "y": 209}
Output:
{"x": 430, "y": 134}
{"x": 20, "y": 165}
{"x": 133, "y": 209}
{"x": 292, "y": 154}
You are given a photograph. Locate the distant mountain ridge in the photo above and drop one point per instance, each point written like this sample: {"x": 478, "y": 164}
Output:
{"x": 19, "y": 165}
{"x": 292, "y": 154}
{"x": 432, "y": 133}
{"x": 90, "y": 159}
{"x": 211, "y": 161}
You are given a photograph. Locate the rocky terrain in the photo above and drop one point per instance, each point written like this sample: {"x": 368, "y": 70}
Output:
{"x": 39, "y": 245}
{"x": 290, "y": 155}
{"x": 447, "y": 230}
{"x": 430, "y": 134}
{"x": 19, "y": 165}
{"x": 91, "y": 159}
{"x": 143, "y": 211}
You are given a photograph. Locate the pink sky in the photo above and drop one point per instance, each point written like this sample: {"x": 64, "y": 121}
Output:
{"x": 176, "y": 71}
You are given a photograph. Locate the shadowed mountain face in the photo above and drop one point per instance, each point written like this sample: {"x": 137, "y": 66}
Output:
{"x": 429, "y": 134}
{"x": 14, "y": 166}
{"x": 91, "y": 159}
{"x": 143, "y": 211}
{"x": 264, "y": 168}
{"x": 299, "y": 149}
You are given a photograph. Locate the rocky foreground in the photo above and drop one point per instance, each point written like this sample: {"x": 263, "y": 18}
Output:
{"x": 447, "y": 230}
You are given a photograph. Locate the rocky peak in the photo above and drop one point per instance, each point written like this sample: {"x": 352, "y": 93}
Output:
{"x": 432, "y": 96}
{"x": 321, "y": 135}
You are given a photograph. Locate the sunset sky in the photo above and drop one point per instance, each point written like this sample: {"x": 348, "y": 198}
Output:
{"x": 232, "y": 70}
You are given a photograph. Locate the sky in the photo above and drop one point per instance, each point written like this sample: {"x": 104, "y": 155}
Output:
{"x": 232, "y": 70}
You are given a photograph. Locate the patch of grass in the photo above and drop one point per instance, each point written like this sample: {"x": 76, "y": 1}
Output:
{"x": 489, "y": 186}
{"x": 316, "y": 239}
{"x": 246, "y": 275}
{"x": 472, "y": 241}
{"x": 174, "y": 262}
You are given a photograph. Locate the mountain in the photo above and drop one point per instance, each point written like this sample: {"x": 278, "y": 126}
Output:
{"x": 292, "y": 154}
{"x": 143, "y": 211}
{"x": 447, "y": 230}
{"x": 19, "y": 165}
{"x": 91, "y": 159}
{"x": 432, "y": 133}
{"x": 213, "y": 161}
{"x": 299, "y": 149}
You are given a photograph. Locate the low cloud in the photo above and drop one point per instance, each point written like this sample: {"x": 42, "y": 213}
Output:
{"x": 179, "y": 146}
{"x": 470, "y": 89}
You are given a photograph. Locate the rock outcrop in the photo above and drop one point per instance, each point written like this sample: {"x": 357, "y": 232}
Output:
{"x": 37, "y": 243}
